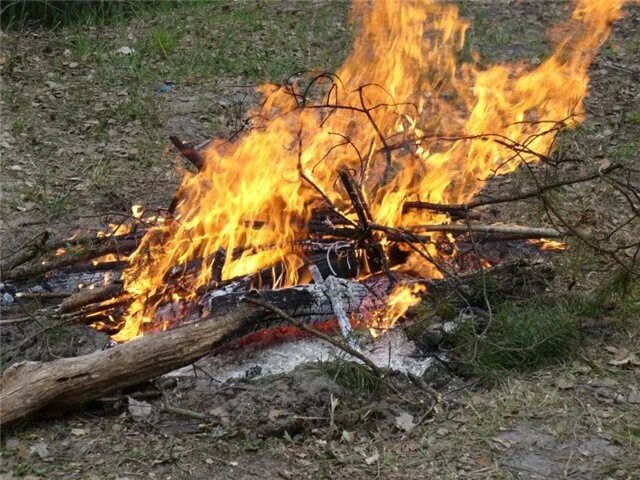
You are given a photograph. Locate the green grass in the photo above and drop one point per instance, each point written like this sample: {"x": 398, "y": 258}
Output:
{"x": 56, "y": 14}
{"x": 543, "y": 330}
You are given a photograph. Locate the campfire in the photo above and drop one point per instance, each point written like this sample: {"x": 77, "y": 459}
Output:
{"x": 347, "y": 196}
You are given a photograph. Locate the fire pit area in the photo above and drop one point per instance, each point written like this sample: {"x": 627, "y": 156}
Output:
{"x": 360, "y": 214}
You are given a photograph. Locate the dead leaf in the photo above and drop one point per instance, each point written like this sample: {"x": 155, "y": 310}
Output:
{"x": 348, "y": 436}
{"x": 274, "y": 414}
{"x": 41, "y": 450}
{"x": 611, "y": 349}
{"x": 223, "y": 416}
{"x": 634, "y": 397}
{"x": 623, "y": 358}
{"x": 12, "y": 443}
{"x": 372, "y": 459}
{"x": 566, "y": 383}
{"x": 502, "y": 441}
{"x": 405, "y": 422}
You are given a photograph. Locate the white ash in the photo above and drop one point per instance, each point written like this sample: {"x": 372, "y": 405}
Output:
{"x": 393, "y": 350}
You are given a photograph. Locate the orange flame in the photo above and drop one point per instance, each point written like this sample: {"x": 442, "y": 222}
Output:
{"x": 549, "y": 245}
{"x": 401, "y": 298}
{"x": 402, "y": 86}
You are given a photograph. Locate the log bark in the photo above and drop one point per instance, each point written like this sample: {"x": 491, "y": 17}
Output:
{"x": 89, "y": 296}
{"x": 60, "y": 385}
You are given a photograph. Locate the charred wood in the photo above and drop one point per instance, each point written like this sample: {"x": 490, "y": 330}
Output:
{"x": 28, "y": 387}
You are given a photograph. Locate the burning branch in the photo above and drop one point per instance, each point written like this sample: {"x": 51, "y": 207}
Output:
{"x": 188, "y": 152}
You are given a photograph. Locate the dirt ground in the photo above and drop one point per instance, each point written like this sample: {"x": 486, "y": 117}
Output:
{"x": 85, "y": 117}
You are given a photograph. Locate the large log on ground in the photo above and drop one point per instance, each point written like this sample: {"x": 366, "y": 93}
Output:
{"x": 29, "y": 387}
{"x": 60, "y": 385}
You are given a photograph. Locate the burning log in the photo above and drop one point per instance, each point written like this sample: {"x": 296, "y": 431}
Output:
{"x": 28, "y": 387}
{"x": 63, "y": 384}
{"x": 89, "y": 296}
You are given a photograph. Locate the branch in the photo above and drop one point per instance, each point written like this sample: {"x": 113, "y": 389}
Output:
{"x": 188, "y": 152}
{"x": 460, "y": 208}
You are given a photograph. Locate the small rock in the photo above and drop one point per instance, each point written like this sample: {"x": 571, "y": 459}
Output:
{"x": 125, "y": 50}
{"x": 372, "y": 459}
{"x": 139, "y": 409}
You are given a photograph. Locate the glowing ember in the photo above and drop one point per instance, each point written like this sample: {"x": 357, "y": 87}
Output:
{"x": 420, "y": 124}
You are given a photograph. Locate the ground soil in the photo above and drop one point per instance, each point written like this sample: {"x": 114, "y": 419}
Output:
{"x": 84, "y": 136}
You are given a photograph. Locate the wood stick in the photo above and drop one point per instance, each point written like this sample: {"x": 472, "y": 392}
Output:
{"x": 188, "y": 152}
{"x": 88, "y": 296}
{"x": 460, "y": 208}
{"x": 42, "y": 295}
{"x": 365, "y": 218}
{"x": 519, "y": 231}
{"x": 30, "y": 271}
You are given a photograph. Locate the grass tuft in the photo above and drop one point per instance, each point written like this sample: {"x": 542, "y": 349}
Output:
{"x": 546, "y": 329}
{"x": 353, "y": 376}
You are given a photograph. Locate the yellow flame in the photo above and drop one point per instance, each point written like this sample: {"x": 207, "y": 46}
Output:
{"x": 549, "y": 245}
{"x": 403, "y": 81}
{"x": 401, "y": 298}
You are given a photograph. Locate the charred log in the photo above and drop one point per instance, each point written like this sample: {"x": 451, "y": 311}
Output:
{"x": 29, "y": 387}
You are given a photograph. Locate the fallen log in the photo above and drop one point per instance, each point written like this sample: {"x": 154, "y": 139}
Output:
{"x": 60, "y": 385}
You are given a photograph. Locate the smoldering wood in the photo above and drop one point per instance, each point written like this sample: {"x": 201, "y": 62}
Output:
{"x": 63, "y": 384}
{"x": 43, "y": 245}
